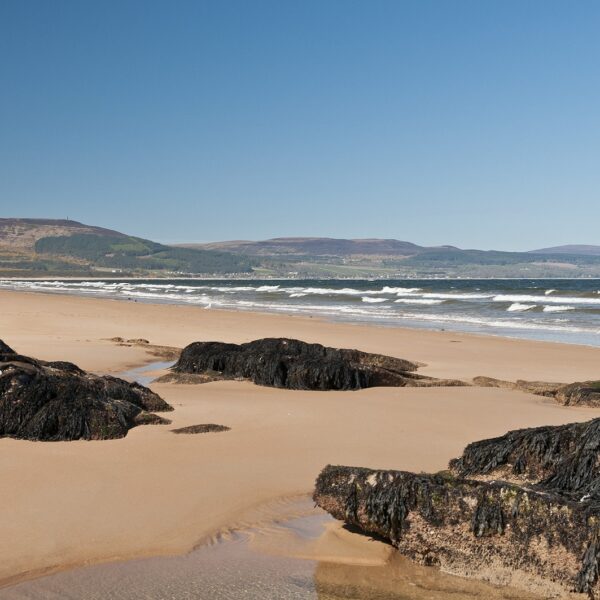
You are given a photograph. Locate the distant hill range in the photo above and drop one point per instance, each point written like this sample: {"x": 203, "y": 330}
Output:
{"x": 40, "y": 247}
{"x": 307, "y": 256}
{"x": 577, "y": 249}
{"x": 316, "y": 247}
{"x": 53, "y": 248}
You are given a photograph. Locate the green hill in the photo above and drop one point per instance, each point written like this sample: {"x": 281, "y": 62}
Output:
{"x": 40, "y": 247}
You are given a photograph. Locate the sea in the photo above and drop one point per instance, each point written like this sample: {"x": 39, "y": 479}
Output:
{"x": 560, "y": 310}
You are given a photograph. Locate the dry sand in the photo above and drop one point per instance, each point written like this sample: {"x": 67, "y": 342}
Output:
{"x": 153, "y": 492}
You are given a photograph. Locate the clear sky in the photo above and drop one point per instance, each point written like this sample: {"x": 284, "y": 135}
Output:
{"x": 474, "y": 123}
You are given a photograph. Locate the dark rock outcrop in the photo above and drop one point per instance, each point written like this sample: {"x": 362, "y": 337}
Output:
{"x": 5, "y": 348}
{"x": 496, "y": 531}
{"x": 522, "y": 509}
{"x": 293, "y": 364}
{"x": 203, "y": 428}
{"x": 53, "y": 401}
{"x": 581, "y": 393}
{"x": 562, "y": 460}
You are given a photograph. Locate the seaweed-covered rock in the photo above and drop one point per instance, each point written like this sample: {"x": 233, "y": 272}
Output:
{"x": 563, "y": 459}
{"x": 202, "y": 428}
{"x": 496, "y": 531}
{"x": 53, "y": 401}
{"x": 5, "y": 348}
{"x": 522, "y": 508}
{"x": 581, "y": 393}
{"x": 293, "y": 364}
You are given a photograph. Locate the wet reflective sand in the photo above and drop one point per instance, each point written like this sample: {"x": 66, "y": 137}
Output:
{"x": 248, "y": 565}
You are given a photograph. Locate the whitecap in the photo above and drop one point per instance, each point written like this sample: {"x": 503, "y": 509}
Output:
{"x": 443, "y": 296}
{"x": 239, "y": 288}
{"x": 426, "y": 301}
{"x": 333, "y": 291}
{"x": 518, "y": 307}
{"x": 555, "y": 309}
{"x": 545, "y": 299}
{"x": 396, "y": 290}
{"x": 373, "y": 300}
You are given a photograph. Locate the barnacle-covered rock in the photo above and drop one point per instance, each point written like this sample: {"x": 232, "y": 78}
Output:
{"x": 522, "y": 509}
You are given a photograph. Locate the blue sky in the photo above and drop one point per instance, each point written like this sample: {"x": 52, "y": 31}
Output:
{"x": 474, "y": 123}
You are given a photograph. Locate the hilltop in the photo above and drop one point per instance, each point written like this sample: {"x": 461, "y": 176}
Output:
{"x": 580, "y": 249}
{"x": 40, "y": 247}
{"x": 316, "y": 247}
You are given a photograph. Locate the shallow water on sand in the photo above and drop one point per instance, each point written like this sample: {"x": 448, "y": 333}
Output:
{"x": 146, "y": 374}
{"x": 234, "y": 566}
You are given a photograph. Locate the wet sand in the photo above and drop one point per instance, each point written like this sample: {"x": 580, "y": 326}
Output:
{"x": 154, "y": 493}
{"x": 279, "y": 561}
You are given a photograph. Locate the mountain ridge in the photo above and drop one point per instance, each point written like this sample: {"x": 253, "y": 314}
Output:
{"x": 62, "y": 247}
{"x": 575, "y": 249}
{"x": 314, "y": 245}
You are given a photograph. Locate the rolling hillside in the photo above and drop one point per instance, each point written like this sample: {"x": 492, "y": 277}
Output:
{"x": 54, "y": 248}
{"x": 315, "y": 247}
{"x": 331, "y": 257}
{"x": 39, "y": 247}
{"x": 573, "y": 249}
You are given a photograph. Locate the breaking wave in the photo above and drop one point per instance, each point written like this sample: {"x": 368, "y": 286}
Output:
{"x": 542, "y": 299}
{"x": 424, "y": 301}
{"x": 558, "y": 309}
{"x": 518, "y": 307}
{"x": 544, "y": 309}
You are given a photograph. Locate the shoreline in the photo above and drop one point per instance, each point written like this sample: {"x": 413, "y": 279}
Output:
{"x": 155, "y": 493}
{"x": 282, "y": 278}
{"x": 280, "y": 313}
{"x": 274, "y": 324}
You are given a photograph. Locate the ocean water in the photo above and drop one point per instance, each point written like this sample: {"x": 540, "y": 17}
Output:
{"x": 563, "y": 310}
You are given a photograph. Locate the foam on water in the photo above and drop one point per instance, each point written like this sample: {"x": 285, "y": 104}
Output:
{"x": 424, "y": 301}
{"x": 541, "y": 299}
{"x": 368, "y": 299}
{"x": 451, "y": 296}
{"x": 333, "y": 292}
{"x": 398, "y": 290}
{"x": 506, "y": 307}
{"x": 518, "y": 307}
{"x": 558, "y": 309}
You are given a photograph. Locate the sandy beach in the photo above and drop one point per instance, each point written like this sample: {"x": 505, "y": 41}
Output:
{"x": 154, "y": 493}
